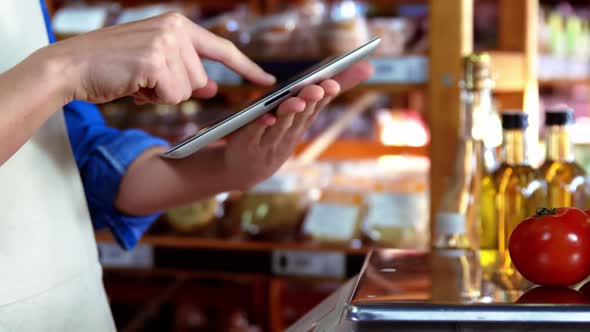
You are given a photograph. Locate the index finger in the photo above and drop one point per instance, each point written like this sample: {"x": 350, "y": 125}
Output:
{"x": 219, "y": 49}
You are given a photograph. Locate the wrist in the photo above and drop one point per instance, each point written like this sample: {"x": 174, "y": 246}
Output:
{"x": 55, "y": 67}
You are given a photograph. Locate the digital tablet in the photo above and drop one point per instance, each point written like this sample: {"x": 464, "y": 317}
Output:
{"x": 224, "y": 126}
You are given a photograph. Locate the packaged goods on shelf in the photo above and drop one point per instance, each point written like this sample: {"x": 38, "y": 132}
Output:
{"x": 395, "y": 32}
{"x": 275, "y": 208}
{"x": 197, "y": 217}
{"x": 271, "y": 36}
{"x": 564, "y": 42}
{"x": 233, "y": 26}
{"x": 337, "y": 217}
{"x": 401, "y": 128}
{"x": 344, "y": 28}
{"x": 390, "y": 195}
{"x": 81, "y": 18}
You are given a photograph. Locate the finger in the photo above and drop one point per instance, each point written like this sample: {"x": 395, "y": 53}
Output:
{"x": 182, "y": 83}
{"x": 267, "y": 119}
{"x": 300, "y": 122}
{"x": 167, "y": 89}
{"x": 251, "y": 133}
{"x": 319, "y": 107}
{"x": 331, "y": 88}
{"x": 312, "y": 95}
{"x": 216, "y": 48}
{"x": 208, "y": 91}
{"x": 285, "y": 115}
{"x": 290, "y": 105}
{"x": 355, "y": 74}
{"x": 194, "y": 68}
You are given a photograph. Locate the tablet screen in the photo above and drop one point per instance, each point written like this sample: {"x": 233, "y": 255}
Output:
{"x": 276, "y": 88}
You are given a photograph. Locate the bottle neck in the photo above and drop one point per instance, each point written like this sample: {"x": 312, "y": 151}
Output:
{"x": 514, "y": 147}
{"x": 478, "y": 106}
{"x": 559, "y": 144}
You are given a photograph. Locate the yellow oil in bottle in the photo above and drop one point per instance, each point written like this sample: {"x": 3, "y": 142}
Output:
{"x": 565, "y": 179}
{"x": 510, "y": 194}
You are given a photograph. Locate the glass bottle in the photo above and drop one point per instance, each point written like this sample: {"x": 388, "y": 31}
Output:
{"x": 510, "y": 194}
{"x": 477, "y": 100}
{"x": 565, "y": 178}
{"x": 455, "y": 270}
{"x": 473, "y": 158}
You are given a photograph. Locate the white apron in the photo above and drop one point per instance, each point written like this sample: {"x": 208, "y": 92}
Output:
{"x": 50, "y": 276}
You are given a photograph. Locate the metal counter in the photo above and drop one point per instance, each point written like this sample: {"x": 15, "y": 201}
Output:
{"x": 409, "y": 302}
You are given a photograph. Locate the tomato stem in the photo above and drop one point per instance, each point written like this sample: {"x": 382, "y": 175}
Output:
{"x": 545, "y": 212}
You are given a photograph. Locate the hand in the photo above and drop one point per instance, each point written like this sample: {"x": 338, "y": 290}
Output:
{"x": 259, "y": 149}
{"x": 156, "y": 60}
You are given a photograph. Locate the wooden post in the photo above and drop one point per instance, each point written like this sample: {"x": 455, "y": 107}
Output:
{"x": 517, "y": 31}
{"x": 451, "y": 37}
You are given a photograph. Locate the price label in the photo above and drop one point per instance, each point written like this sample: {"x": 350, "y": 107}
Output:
{"x": 111, "y": 255}
{"x": 332, "y": 221}
{"x": 408, "y": 69}
{"x": 79, "y": 20}
{"x": 309, "y": 263}
{"x": 143, "y": 12}
{"x": 396, "y": 209}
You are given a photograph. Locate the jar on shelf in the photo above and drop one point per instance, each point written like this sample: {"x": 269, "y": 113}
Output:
{"x": 232, "y": 26}
{"x": 275, "y": 208}
{"x": 271, "y": 36}
{"x": 344, "y": 28}
{"x": 337, "y": 217}
{"x": 196, "y": 218}
{"x": 395, "y": 199}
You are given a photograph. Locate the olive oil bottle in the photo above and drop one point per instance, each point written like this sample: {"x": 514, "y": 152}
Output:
{"x": 565, "y": 178}
{"x": 509, "y": 195}
{"x": 474, "y": 158}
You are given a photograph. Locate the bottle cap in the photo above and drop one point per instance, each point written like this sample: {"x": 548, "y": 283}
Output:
{"x": 477, "y": 71}
{"x": 515, "y": 119}
{"x": 450, "y": 223}
{"x": 559, "y": 115}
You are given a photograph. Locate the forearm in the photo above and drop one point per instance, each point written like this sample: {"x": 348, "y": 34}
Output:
{"x": 153, "y": 183}
{"x": 30, "y": 93}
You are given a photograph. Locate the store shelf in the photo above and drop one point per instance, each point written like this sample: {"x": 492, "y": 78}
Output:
{"x": 508, "y": 70}
{"x": 563, "y": 82}
{"x": 359, "y": 149}
{"x": 192, "y": 242}
{"x": 562, "y": 70}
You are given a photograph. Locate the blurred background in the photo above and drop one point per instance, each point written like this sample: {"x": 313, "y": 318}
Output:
{"x": 371, "y": 170}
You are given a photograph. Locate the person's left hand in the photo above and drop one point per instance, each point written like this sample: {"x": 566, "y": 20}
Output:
{"x": 256, "y": 151}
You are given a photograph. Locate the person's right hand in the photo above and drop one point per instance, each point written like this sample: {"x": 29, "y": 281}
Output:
{"x": 156, "y": 60}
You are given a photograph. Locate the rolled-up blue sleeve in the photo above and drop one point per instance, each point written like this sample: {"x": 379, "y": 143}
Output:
{"x": 103, "y": 155}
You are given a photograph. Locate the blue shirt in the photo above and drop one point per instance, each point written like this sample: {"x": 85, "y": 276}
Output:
{"x": 103, "y": 155}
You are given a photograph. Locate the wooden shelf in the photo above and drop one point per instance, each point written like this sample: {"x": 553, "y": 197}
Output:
{"x": 359, "y": 149}
{"x": 508, "y": 69}
{"x": 192, "y": 242}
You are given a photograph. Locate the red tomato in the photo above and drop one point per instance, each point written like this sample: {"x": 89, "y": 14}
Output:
{"x": 552, "y": 295}
{"x": 552, "y": 248}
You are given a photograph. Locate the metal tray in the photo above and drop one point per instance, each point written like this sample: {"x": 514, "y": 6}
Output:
{"x": 414, "y": 286}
